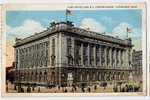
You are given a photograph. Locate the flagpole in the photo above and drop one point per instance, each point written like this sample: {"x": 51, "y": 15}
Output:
{"x": 127, "y": 35}
{"x": 127, "y": 32}
{"x": 66, "y": 16}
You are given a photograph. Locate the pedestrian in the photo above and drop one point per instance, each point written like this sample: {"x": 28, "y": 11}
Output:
{"x": 28, "y": 89}
{"x": 95, "y": 87}
{"x": 115, "y": 89}
{"x": 126, "y": 86}
{"x": 38, "y": 89}
{"x": 89, "y": 89}
{"x": 123, "y": 89}
{"x": 65, "y": 90}
{"x": 83, "y": 89}
{"x": 75, "y": 88}
{"x": 15, "y": 87}
{"x": 32, "y": 88}
{"x": 7, "y": 88}
{"x": 58, "y": 87}
{"x": 72, "y": 90}
{"x": 22, "y": 90}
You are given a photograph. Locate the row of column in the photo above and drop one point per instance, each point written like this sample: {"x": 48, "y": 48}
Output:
{"x": 107, "y": 56}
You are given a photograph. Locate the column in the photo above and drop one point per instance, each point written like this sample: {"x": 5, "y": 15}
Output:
{"x": 105, "y": 55}
{"x": 117, "y": 53}
{"x": 25, "y": 58}
{"x": 130, "y": 58}
{"x": 100, "y": 56}
{"x": 119, "y": 58}
{"x": 110, "y": 57}
{"x": 59, "y": 58}
{"x": 94, "y": 55}
{"x": 123, "y": 58}
{"x": 50, "y": 51}
{"x": 88, "y": 54}
{"x": 114, "y": 57}
{"x": 126, "y": 58}
{"x": 81, "y": 54}
{"x": 73, "y": 49}
{"x": 59, "y": 49}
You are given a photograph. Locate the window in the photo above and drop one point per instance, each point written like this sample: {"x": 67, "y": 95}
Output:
{"x": 17, "y": 59}
{"x": 91, "y": 55}
{"x": 77, "y": 53}
{"x": 85, "y": 57}
{"x": 69, "y": 51}
{"x": 46, "y": 57}
{"x": 53, "y": 52}
{"x": 69, "y": 46}
{"x": 129, "y": 55}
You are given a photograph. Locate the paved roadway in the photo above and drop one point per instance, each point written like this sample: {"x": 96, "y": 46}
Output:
{"x": 61, "y": 90}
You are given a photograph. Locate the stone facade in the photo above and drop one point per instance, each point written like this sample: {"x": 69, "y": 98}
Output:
{"x": 63, "y": 51}
{"x": 137, "y": 65}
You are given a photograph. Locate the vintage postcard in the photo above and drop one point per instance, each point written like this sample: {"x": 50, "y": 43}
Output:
{"x": 74, "y": 49}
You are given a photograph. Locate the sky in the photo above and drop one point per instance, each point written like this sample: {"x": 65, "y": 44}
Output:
{"x": 113, "y": 22}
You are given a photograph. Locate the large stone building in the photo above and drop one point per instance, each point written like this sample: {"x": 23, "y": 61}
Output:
{"x": 65, "y": 54}
{"x": 137, "y": 65}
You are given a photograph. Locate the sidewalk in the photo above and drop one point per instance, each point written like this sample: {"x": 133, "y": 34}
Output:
{"x": 61, "y": 90}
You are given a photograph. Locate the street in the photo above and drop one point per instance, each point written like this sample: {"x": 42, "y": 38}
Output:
{"x": 39, "y": 89}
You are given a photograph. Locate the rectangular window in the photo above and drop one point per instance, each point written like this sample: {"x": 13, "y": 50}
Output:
{"x": 102, "y": 55}
{"x": 69, "y": 46}
{"x": 77, "y": 53}
{"x": 85, "y": 57}
{"x": 47, "y": 54}
{"x": 107, "y": 55}
{"x": 91, "y": 55}
{"x": 69, "y": 51}
{"x": 53, "y": 52}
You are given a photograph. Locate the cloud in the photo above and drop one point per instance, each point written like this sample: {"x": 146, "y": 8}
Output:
{"x": 108, "y": 20}
{"x": 121, "y": 32}
{"x": 27, "y": 28}
{"x": 93, "y": 25}
{"x": 137, "y": 44}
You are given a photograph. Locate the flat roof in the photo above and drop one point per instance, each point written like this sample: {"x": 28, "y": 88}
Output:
{"x": 63, "y": 27}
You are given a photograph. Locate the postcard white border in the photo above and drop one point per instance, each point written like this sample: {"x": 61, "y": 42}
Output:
{"x": 57, "y": 6}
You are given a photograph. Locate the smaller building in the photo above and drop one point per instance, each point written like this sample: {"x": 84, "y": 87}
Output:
{"x": 10, "y": 71}
{"x": 137, "y": 65}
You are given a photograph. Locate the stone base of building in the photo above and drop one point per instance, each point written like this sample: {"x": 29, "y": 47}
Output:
{"x": 66, "y": 76}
